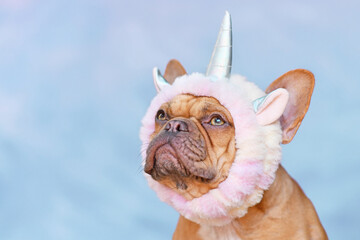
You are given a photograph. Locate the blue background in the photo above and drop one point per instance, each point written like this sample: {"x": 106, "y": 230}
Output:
{"x": 75, "y": 81}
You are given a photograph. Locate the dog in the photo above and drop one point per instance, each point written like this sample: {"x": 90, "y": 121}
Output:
{"x": 211, "y": 149}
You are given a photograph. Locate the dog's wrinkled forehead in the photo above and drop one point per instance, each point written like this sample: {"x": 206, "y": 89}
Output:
{"x": 190, "y": 106}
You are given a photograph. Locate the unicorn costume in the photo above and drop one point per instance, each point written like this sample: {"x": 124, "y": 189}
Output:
{"x": 258, "y": 151}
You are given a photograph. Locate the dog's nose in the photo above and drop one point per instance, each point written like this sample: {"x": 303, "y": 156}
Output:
{"x": 176, "y": 126}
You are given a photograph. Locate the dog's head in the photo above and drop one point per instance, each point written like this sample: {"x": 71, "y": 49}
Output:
{"x": 211, "y": 148}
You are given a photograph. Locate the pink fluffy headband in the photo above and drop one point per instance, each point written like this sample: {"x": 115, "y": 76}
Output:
{"x": 257, "y": 157}
{"x": 257, "y": 135}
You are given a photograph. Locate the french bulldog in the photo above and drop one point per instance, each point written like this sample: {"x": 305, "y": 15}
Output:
{"x": 211, "y": 149}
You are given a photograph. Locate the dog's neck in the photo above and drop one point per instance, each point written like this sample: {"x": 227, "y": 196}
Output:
{"x": 255, "y": 222}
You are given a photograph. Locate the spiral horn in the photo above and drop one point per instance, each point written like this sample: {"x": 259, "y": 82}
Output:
{"x": 220, "y": 62}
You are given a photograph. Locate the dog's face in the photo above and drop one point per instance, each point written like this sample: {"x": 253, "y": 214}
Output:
{"x": 193, "y": 145}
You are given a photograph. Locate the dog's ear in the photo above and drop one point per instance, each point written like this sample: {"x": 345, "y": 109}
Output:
{"x": 300, "y": 84}
{"x": 173, "y": 70}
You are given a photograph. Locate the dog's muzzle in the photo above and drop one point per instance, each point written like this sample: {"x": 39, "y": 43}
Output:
{"x": 176, "y": 151}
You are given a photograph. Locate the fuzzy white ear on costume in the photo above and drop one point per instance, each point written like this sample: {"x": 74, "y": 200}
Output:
{"x": 270, "y": 107}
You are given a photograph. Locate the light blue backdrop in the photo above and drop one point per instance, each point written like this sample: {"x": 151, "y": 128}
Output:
{"x": 75, "y": 81}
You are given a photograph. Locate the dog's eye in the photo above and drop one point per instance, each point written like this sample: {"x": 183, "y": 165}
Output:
{"x": 217, "y": 121}
{"x": 160, "y": 115}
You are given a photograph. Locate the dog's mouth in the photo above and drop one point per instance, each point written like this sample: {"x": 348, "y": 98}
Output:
{"x": 180, "y": 158}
